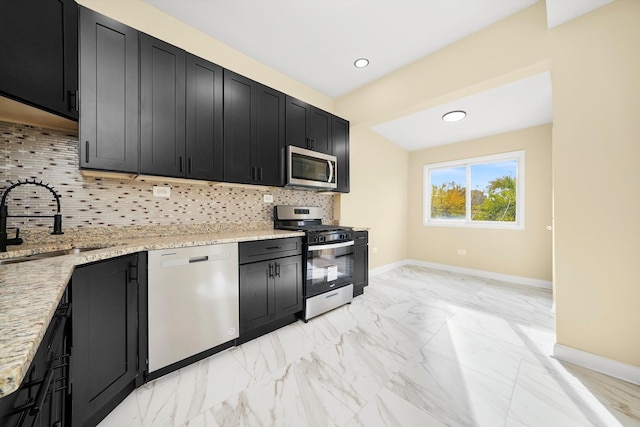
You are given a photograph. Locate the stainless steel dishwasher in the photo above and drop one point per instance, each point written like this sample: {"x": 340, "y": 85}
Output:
{"x": 193, "y": 301}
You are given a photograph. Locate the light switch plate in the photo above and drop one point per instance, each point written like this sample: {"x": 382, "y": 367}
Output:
{"x": 267, "y": 198}
{"x": 161, "y": 191}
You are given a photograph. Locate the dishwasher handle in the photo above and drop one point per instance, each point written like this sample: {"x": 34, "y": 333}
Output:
{"x": 198, "y": 259}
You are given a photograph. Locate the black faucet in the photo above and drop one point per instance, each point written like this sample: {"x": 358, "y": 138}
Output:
{"x": 4, "y": 214}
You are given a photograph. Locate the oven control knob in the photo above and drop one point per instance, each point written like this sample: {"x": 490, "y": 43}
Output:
{"x": 322, "y": 239}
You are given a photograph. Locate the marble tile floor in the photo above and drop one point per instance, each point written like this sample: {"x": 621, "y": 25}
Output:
{"x": 421, "y": 347}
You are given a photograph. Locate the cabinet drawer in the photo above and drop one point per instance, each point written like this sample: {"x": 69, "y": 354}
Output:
{"x": 360, "y": 238}
{"x": 269, "y": 249}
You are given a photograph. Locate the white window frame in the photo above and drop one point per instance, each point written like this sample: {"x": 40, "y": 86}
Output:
{"x": 467, "y": 222}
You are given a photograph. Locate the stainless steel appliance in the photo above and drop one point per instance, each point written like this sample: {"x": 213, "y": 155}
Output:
{"x": 193, "y": 301}
{"x": 307, "y": 168}
{"x": 329, "y": 258}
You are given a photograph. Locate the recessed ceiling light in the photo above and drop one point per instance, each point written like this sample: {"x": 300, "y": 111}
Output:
{"x": 361, "y": 62}
{"x": 454, "y": 116}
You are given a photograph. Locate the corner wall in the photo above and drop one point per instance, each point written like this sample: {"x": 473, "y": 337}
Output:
{"x": 524, "y": 253}
{"x": 596, "y": 149}
{"x": 378, "y": 197}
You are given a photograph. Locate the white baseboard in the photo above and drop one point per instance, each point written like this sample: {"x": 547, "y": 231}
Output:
{"x": 471, "y": 271}
{"x": 613, "y": 368}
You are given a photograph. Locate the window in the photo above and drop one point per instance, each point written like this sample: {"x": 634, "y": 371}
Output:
{"x": 479, "y": 192}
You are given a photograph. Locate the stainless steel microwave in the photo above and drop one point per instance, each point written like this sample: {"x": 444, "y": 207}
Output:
{"x": 307, "y": 168}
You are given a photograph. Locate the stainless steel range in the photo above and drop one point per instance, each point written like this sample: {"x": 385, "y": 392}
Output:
{"x": 329, "y": 258}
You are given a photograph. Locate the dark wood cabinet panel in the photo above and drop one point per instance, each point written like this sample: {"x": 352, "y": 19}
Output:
{"x": 39, "y": 45}
{"x": 267, "y": 153}
{"x": 298, "y": 118}
{"x": 361, "y": 262}
{"x": 256, "y": 300}
{"x": 162, "y": 108}
{"x": 105, "y": 337}
{"x": 271, "y": 285}
{"x": 109, "y": 121}
{"x": 288, "y": 286}
{"x": 239, "y": 129}
{"x": 307, "y": 126}
{"x": 204, "y": 139}
{"x": 321, "y": 131}
{"x": 253, "y": 132}
{"x": 340, "y": 141}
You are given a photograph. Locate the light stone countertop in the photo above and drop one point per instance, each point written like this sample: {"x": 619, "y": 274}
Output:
{"x": 30, "y": 291}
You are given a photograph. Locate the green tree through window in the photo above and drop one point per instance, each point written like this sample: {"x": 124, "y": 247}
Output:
{"x": 479, "y": 190}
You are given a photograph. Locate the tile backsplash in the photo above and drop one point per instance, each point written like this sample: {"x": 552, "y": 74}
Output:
{"x": 52, "y": 157}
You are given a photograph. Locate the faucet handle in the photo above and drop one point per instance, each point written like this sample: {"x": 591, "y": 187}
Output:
{"x": 17, "y": 230}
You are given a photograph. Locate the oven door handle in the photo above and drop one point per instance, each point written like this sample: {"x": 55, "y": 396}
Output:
{"x": 331, "y": 246}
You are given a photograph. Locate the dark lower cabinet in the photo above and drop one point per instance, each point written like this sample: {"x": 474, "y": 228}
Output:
{"x": 39, "y": 45}
{"x": 104, "y": 349}
{"x": 271, "y": 289}
{"x": 42, "y": 400}
{"x": 109, "y": 108}
{"x": 361, "y": 262}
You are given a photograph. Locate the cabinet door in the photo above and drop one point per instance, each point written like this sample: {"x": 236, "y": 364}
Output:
{"x": 360, "y": 269}
{"x": 267, "y": 151}
{"x": 298, "y": 120}
{"x": 204, "y": 149}
{"x": 39, "y": 45}
{"x": 162, "y": 108}
{"x": 288, "y": 286}
{"x": 109, "y": 122}
{"x": 104, "y": 337}
{"x": 239, "y": 128}
{"x": 340, "y": 140}
{"x": 321, "y": 131}
{"x": 256, "y": 295}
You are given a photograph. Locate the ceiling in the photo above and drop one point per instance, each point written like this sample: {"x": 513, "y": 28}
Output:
{"x": 317, "y": 41}
{"x": 491, "y": 112}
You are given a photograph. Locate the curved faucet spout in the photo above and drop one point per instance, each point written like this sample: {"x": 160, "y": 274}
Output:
{"x": 4, "y": 214}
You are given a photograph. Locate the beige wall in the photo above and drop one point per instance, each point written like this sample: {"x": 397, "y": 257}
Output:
{"x": 526, "y": 252}
{"x": 596, "y": 149}
{"x": 378, "y": 197}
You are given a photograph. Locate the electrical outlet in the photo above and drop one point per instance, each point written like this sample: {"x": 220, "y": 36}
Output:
{"x": 462, "y": 252}
{"x": 267, "y": 198}
{"x": 374, "y": 250}
{"x": 161, "y": 191}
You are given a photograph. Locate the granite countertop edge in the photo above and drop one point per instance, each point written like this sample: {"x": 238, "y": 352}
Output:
{"x": 31, "y": 291}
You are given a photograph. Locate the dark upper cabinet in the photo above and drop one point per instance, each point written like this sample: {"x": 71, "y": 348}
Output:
{"x": 162, "y": 108}
{"x": 307, "y": 126}
{"x": 253, "y": 132}
{"x": 39, "y": 45}
{"x": 109, "y": 121}
{"x": 204, "y": 138}
{"x": 104, "y": 351}
{"x": 340, "y": 140}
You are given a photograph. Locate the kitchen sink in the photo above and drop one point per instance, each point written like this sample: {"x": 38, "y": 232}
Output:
{"x": 50, "y": 254}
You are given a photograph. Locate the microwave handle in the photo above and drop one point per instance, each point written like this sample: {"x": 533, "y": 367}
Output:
{"x": 330, "y": 171}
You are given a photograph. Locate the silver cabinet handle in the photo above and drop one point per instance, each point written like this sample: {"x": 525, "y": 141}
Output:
{"x": 332, "y": 246}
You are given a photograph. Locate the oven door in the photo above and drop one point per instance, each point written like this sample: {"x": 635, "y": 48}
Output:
{"x": 329, "y": 266}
